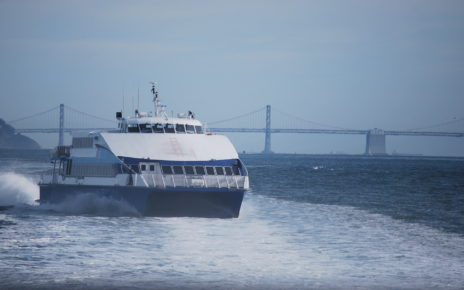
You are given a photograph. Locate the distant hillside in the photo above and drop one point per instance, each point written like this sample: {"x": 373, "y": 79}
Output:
{"x": 11, "y": 140}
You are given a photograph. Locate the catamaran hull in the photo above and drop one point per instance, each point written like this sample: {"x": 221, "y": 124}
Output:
{"x": 169, "y": 202}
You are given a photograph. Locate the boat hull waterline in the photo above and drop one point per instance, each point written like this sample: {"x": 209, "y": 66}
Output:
{"x": 166, "y": 202}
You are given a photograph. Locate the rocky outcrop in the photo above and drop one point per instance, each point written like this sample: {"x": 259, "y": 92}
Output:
{"x": 11, "y": 140}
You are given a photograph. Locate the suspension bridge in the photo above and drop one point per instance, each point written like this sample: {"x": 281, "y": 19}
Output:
{"x": 64, "y": 119}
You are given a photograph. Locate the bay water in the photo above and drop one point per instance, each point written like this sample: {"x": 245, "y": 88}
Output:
{"x": 308, "y": 222}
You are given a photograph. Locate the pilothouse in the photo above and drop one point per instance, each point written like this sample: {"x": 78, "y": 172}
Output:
{"x": 161, "y": 165}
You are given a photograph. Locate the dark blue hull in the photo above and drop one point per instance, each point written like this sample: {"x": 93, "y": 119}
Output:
{"x": 170, "y": 202}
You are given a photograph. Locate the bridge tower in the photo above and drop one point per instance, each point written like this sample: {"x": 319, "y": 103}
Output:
{"x": 375, "y": 142}
{"x": 61, "y": 128}
{"x": 267, "y": 138}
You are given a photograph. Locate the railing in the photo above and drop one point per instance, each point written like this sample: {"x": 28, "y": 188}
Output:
{"x": 152, "y": 180}
{"x": 182, "y": 180}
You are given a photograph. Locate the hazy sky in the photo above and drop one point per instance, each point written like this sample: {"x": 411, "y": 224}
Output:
{"x": 353, "y": 64}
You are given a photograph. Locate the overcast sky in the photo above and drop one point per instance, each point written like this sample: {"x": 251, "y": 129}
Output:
{"x": 353, "y": 64}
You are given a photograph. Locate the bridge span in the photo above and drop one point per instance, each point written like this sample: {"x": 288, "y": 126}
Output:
{"x": 327, "y": 131}
{"x": 375, "y": 138}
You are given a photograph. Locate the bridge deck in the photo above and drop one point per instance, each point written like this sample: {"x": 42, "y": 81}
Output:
{"x": 273, "y": 131}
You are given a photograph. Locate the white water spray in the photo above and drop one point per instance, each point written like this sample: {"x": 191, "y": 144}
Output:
{"x": 17, "y": 189}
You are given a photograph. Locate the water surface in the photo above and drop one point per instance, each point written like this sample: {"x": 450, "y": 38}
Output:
{"x": 309, "y": 222}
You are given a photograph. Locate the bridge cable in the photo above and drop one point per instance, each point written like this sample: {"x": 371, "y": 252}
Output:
{"x": 90, "y": 115}
{"x": 311, "y": 122}
{"x": 437, "y": 125}
{"x": 237, "y": 117}
{"x": 35, "y": 115}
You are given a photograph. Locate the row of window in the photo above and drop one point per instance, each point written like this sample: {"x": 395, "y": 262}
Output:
{"x": 191, "y": 170}
{"x": 164, "y": 128}
{"x": 201, "y": 170}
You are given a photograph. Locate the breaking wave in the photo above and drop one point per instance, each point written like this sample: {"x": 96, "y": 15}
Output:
{"x": 17, "y": 189}
{"x": 22, "y": 192}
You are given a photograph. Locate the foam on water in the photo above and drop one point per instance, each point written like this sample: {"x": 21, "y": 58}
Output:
{"x": 22, "y": 192}
{"x": 340, "y": 245}
{"x": 17, "y": 189}
{"x": 273, "y": 244}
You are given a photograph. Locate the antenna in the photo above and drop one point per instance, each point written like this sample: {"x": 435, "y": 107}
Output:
{"x": 158, "y": 107}
{"x": 123, "y": 100}
{"x": 138, "y": 99}
{"x": 132, "y": 104}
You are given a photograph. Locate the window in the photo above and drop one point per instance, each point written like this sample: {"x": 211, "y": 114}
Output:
{"x": 228, "y": 170}
{"x": 180, "y": 128}
{"x": 236, "y": 170}
{"x": 158, "y": 128}
{"x": 167, "y": 169}
{"x": 145, "y": 128}
{"x": 199, "y": 129}
{"x": 82, "y": 142}
{"x": 210, "y": 170}
{"x": 143, "y": 167}
{"x": 133, "y": 128}
{"x": 178, "y": 169}
{"x": 169, "y": 128}
{"x": 189, "y": 170}
{"x": 135, "y": 168}
{"x": 200, "y": 170}
{"x": 152, "y": 167}
{"x": 219, "y": 170}
{"x": 190, "y": 129}
{"x": 96, "y": 170}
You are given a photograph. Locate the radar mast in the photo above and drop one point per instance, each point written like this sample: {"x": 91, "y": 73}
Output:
{"x": 159, "y": 109}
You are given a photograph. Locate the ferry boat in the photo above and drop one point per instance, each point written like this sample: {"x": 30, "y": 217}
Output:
{"x": 163, "y": 166}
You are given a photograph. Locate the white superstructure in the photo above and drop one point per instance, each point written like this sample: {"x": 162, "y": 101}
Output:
{"x": 151, "y": 150}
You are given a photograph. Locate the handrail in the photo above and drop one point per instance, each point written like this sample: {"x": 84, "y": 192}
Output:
{"x": 204, "y": 181}
{"x": 169, "y": 180}
{"x": 142, "y": 178}
{"x": 221, "y": 181}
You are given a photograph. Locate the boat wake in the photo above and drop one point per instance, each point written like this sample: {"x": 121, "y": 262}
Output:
{"x": 17, "y": 189}
{"x": 19, "y": 192}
